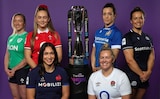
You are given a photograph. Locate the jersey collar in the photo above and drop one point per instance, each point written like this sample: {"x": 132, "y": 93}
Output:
{"x": 45, "y": 31}
{"x": 109, "y": 28}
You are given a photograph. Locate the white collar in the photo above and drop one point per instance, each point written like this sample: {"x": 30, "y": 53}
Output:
{"x": 106, "y": 28}
{"x": 39, "y": 31}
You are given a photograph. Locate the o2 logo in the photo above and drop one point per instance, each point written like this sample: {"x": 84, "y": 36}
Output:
{"x": 104, "y": 95}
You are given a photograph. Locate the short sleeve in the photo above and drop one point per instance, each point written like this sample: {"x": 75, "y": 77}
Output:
{"x": 125, "y": 87}
{"x": 116, "y": 40}
{"x": 65, "y": 79}
{"x": 90, "y": 89}
{"x": 127, "y": 42}
{"x": 57, "y": 42}
{"x": 31, "y": 80}
{"x": 27, "y": 44}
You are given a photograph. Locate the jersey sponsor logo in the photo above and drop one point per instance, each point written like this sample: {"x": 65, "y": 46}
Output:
{"x": 104, "y": 95}
{"x": 44, "y": 84}
{"x": 101, "y": 40}
{"x": 142, "y": 48}
{"x": 13, "y": 47}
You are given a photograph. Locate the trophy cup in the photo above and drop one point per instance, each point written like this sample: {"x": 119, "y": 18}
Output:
{"x": 78, "y": 19}
{"x": 78, "y": 55}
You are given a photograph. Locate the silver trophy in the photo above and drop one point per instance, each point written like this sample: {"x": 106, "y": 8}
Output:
{"x": 78, "y": 69}
{"x": 78, "y": 19}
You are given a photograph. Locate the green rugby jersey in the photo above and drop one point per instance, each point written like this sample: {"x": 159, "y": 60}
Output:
{"x": 15, "y": 46}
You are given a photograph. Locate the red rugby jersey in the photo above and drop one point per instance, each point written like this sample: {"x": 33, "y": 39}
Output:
{"x": 39, "y": 40}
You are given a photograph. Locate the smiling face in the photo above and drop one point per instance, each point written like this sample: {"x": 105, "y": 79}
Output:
{"x": 108, "y": 16}
{"x": 137, "y": 20}
{"x": 48, "y": 56}
{"x": 106, "y": 59}
{"x": 18, "y": 23}
{"x": 42, "y": 19}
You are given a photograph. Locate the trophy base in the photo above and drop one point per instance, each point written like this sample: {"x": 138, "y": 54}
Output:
{"x": 78, "y": 77}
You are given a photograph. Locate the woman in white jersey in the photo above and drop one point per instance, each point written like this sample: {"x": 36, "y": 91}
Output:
{"x": 108, "y": 82}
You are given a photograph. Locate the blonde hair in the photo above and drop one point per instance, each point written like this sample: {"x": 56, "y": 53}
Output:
{"x": 17, "y": 14}
{"x": 106, "y": 47}
{"x": 49, "y": 25}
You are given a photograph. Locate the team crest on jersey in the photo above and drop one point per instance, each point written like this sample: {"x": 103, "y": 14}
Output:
{"x": 108, "y": 33}
{"x": 19, "y": 40}
{"x": 58, "y": 78}
{"x": 113, "y": 83}
{"x": 50, "y": 37}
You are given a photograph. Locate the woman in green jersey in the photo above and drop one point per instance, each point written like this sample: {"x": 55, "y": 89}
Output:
{"x": 14, "y": 63}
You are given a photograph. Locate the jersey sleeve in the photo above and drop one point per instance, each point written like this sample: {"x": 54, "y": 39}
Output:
{"x": 125, "y": 87}
{"x": 127, "y": 42}
{"x": 31, "y": 80}
{"x": 27, "y": 44}
{"x": 151, "y": 41}
{"x": 116, "y": 40}
{"x": 90, "y": 89}
{"x": 65, "y": 79}
{"x": 57, "y": 42}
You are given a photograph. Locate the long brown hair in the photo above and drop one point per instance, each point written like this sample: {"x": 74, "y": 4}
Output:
{"x": 49, "y": 25}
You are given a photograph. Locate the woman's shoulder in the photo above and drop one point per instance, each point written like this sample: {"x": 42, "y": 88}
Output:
{"x": 59, "y": 68}
{"x": 118, "y": 72}
{"x": 30, "y": 33}
{"x": 54, "y": 32}
{"x": 96, "y": 74}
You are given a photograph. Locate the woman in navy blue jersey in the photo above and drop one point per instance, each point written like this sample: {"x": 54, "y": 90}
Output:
{"x": 139, "y": 54}
{"x": 47, "y": 80}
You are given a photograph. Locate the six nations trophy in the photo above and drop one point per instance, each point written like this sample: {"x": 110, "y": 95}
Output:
{"x": 78, "y": 69}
